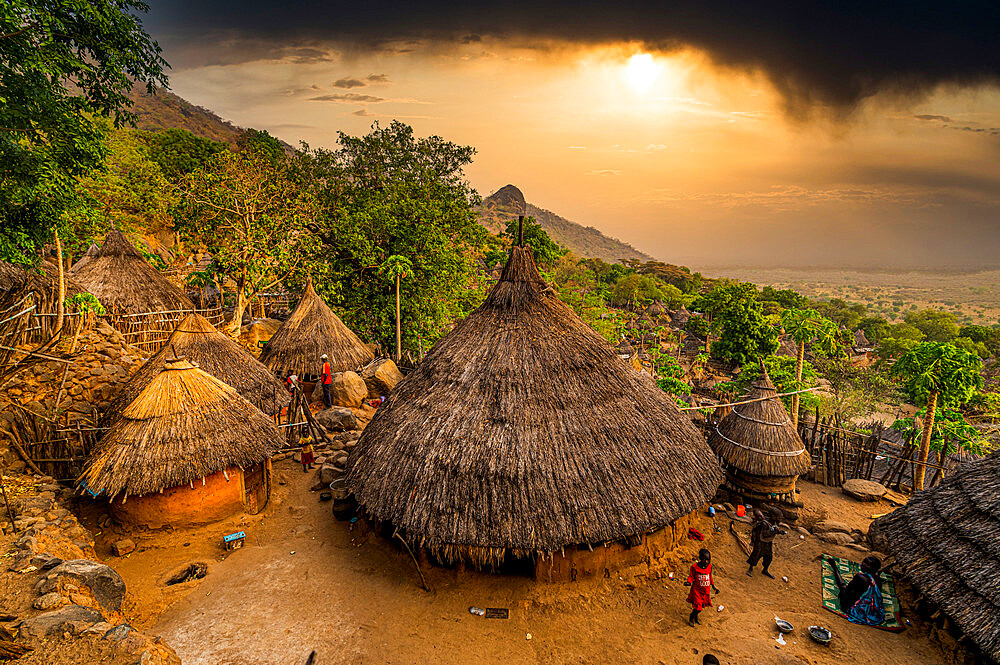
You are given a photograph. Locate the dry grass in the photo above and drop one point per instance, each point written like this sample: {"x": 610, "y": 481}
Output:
{"x": 197, "y": 340}
{"x": 183, "y": 426}
{"x": 312, "y": 330}
{"x": 522, "y": 432}
{"x": 946, "y": 540}
{"x": 125, "y": 283}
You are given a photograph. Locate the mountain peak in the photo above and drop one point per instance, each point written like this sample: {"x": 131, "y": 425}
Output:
{"x": 508, "y": 199}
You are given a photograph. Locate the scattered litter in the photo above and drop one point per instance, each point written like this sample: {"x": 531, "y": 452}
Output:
{"x": 784, "y": 579}
{"x": 29, "y": 569}
{"x": 497, "y": 613}
{"x": 477, "y": 610}
{"x": 802, "y": 537}
{"x": 528, "y": 636}
{"x": 292, "y": 552}
{"x": 670, "y": 575}
{"x": 780, "y": 639}
{"x": 721, "y": 607}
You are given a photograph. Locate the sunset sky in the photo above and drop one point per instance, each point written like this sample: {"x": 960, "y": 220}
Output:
{"x": 708, "y": 137}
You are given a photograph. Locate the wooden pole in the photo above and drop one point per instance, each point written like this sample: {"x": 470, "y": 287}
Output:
{"x": 925, "y": 442}
{"x": 520, "y": 230}
{"x": 399, "y": 350}
{"x": 61, "y": 294}
{"x": 799, "y": 362}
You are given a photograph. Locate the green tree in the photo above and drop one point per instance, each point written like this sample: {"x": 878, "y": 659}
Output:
{"x": 387, "y": 193}
{"x": 782, "y": 371}
{"x": 874, "y": 327}
{"x": 62, "y": 64}
{"x": 396, "y": 268}
{"x": 746, "y": 334}
{"x": 936, "y": 326}
{"x": 178, "y": 152}
{"x": 787, "y": 298}
{"x": 935, "y": 375}
{"x": 254, "y": 218}
{"x": 807, "y": 326}
{"x": 544, "y": 249}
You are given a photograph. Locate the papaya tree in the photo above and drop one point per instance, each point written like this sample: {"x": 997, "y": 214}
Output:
{"x": 807, "y": 326}
{"x": 397, "y": 267}
{"x": 936, "y": 375}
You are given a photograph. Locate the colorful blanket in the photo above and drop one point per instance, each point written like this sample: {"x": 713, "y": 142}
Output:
{"x": 848, "y": 569}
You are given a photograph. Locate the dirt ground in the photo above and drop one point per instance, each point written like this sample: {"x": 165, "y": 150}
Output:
{"x": 307, "y": 582}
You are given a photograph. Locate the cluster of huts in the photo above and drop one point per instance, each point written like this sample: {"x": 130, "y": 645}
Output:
{"x": 521, "y": 437}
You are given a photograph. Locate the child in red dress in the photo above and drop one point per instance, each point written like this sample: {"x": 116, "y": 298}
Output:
{"x": 700, "y": 580}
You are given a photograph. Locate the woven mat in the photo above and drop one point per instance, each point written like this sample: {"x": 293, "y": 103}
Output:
{"x": 848, "y": 569}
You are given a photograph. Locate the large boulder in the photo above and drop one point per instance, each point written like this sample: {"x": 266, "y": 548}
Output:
{"x": 72, "y": 619}
{"x": 337, "y": 419}
{"x": 835, "y": 538}
{"x": 381, "y": 376}
{"x": 827, "y": 526}
{"x": 104, "y": 583}
{"x": 864, "y": 490}
{"x": 348, "y": 389}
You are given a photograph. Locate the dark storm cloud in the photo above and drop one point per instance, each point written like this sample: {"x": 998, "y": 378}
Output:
{"x": 828, "y": 53}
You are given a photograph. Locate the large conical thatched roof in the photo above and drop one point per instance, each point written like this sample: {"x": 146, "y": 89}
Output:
{"x": 125, "y": 283}
{"x": 523, "y": 431}
{"x": 946, "y": 540}
{"x": 758, "y": 438}
{"x": 312, "y": 330}
{"x": 42, "y": 280}
{"x": 185, "y": 425}
{"x": 197, "y": 340}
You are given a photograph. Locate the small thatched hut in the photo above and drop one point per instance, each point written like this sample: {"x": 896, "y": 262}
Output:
{"x": 197, "y": 340}
{"x": 312, "y": 330}
{"x": 523, "y": 436}
{"x": 86, "y": 258}
{"x": 946, "y": 541}
{"x": 760, "y": 450}
{"x": 125, "y": 283}
{"x": 188, "y": 450}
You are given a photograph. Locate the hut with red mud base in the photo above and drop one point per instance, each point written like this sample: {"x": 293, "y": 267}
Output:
{"x": 187, "y": 450}
{"x": 523, "y": 437}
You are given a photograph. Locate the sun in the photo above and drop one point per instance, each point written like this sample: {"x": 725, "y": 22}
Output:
{"x": 641, "y": 72}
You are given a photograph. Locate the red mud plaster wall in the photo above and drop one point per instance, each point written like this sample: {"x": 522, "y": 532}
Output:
{"x": 216, "y": 500}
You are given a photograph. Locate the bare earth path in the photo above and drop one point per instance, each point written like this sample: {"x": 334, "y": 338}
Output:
{"x": 358, "y": 602}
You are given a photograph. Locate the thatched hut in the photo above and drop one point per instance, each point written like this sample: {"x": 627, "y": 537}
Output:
{"x": 42, "y": 283}
{"x": 523, "y": 436}
{"x": 312, "y": 330}
{"x": 198, "y": 340}
{"x": 760, "y": 449}
{"x": 187, "y": 450}
{"x": 86, "y": 258}
{"x": 125, "y": 283}
{"x": 946, "y": 542}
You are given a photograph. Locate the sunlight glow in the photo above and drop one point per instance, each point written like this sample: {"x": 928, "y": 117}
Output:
{"x": 641, "y": 72}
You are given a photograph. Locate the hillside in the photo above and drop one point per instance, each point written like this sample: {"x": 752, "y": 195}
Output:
{"x": 165, "y": 110}
{"x": 508, "y": 202}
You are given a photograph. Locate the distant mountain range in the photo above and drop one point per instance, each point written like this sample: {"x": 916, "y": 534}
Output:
{"x": 164, "y": 110}
{"x": 508, "y": 202}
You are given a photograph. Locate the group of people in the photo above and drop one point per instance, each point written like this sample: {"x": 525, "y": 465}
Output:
{"x": 860, "y": 598}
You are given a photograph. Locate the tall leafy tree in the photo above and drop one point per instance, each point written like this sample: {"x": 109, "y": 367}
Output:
{"x": 391, "y": 193}
{"x": 807, "y": 326}
{"x": 746, "y": 333}
{"x": 62, "y": 64}
{"x": 254, "y": 218}
{"x": 544, "y": 249}
{"x": 935, "y": 375}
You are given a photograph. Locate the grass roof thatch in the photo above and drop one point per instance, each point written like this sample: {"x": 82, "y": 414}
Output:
{"x": 87, "y": 256}
{"x": 758, "y": 438}
{"x": 312, "y": 330}
{"x": 946, "y": 540}
{"x": 185, "y": 425}
{"x": 197, "y": 340}
{"x": 43, "y": 280}
{"x": 522, "y": 431}
{"x": 125, "y": 283}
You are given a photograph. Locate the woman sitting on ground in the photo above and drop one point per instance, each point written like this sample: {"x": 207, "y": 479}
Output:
{"x": 861, "y": 598}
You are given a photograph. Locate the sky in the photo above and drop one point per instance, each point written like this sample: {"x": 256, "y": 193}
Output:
{"x": 773, "y": 133}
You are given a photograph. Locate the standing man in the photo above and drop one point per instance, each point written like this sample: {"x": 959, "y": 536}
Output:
{"x": 762, "y": 539}
{"x": 327, "y": 378}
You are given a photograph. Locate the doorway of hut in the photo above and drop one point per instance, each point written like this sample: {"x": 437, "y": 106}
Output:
{"x": 257, "y": 487}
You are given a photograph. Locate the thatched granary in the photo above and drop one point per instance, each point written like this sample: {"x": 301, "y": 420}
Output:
{"x": 760, "y": 449}
{"x": 946, "y": 542}
{"x": 124, "y": 281}
{"x": 523, "y": 434}
{"x": 198, "y": 340}
{"x": 187, "y": 450}
{"x": 312, "y": 330}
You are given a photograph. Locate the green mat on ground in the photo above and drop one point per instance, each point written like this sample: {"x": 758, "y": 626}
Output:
{"x": 848, "y": 569}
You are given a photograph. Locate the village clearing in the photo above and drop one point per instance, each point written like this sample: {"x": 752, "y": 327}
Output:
{"x": 306, "y": 582}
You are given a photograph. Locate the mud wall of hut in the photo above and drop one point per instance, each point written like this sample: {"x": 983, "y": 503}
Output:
{"x": 216, "y": 499}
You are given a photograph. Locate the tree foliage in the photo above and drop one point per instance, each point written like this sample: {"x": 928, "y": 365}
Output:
{"x": 781, "y": 369}
{"x": 942, "y": 369}
{"x": 62, "y": 64}
{"x": 544, "y": 249}
{"x": 746, "y": 335}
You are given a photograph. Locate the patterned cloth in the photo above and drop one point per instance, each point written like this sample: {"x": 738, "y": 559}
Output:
{"x": 848, "y": 569}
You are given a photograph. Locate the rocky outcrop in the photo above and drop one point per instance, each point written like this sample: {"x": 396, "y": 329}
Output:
{"x": 381, "y": 376}
{"x": 348, "y": 389}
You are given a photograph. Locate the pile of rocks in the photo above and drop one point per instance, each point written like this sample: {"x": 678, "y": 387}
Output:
{"x": 101, "y": 363}
{"x": 78, "y": 597}
{"x": 352, "y": 389}
{"x": 331, "y": 457}
{"x": 837, "y": 533}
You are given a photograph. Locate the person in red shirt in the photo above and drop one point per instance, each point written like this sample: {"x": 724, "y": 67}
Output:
{"x": 700, "y": 580}
{"x": 327, "y": 379}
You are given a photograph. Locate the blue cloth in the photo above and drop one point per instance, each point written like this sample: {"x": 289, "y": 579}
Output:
{"x": 868, "y": 610}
